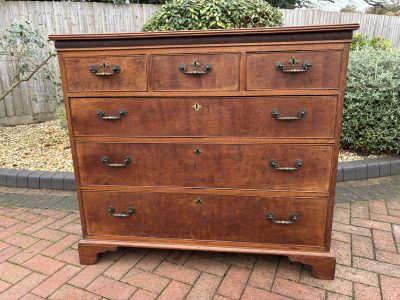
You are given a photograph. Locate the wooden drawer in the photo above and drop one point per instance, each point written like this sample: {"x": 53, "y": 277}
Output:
{"x": 206, "y": 217}
{"x": 195, "y": 72}
{"x": 293, "y": 70}
{"x": 106, "y": 73}
{"x": 243, "y": 166}
{"x": 251, "y": 117}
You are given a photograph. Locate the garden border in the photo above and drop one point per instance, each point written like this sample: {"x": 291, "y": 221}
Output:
{"x": 347, "y": 171}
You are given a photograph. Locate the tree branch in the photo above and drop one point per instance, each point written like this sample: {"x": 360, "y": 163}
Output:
{"x": 20, "y": 80}
{"x": 384, "y": 4}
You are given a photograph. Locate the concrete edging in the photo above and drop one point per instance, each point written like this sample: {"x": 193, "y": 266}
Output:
{"x": 347, "y": 171}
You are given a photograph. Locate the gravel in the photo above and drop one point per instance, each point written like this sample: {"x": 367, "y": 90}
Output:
{"x": 39, "y": 147}
{"x": 45, "y": 147}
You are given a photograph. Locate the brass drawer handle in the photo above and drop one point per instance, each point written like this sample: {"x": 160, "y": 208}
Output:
{"x": 274, "y": 164}
{"x": 111, "y": 211}
{"x": 102, "y": 115}
{"x": 293, "y": 218}
{"x": 280, "y": 66}
{"x": 301, "y": 112}
{"x": 183, "y": 68}
{"x": 127, "y": 160}
{"x": 104, "y": 66}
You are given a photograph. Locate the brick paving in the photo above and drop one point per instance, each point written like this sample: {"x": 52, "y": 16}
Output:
{"x": 39, "y": 231}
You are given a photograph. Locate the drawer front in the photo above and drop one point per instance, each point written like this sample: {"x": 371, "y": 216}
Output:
{"x": 206, "y": 217}
{"x": 280, "y": 117}
{"x": 106, "y": 73}
{"x": 195, "y": 72}
{"x": 293, "y": 70}
{"x": 244, "y": 166}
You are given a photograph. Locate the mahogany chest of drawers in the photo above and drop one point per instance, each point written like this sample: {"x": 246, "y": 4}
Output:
{"x": 220, "y": 140}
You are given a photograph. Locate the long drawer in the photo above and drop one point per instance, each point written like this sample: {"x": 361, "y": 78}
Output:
{"x": 277, "y": 117}
{"x": 245, "y": 166}
{"x": 209, "y": 217}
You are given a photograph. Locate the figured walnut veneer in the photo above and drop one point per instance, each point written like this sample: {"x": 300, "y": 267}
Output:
{"x": 219, "y": 140}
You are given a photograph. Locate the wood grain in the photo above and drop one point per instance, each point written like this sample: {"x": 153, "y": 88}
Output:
{"x": 262, "y": 74}
{"x": 229, "y": 116}
{"x": 233, "y": 129}
{"x": 225, "y": 218}
{"x": 224, "y": 75}
{"x": 217, "y": 166}
{"x": 132, "y": 76}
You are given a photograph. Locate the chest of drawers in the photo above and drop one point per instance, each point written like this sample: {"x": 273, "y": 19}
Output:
{"x": 207, "y": 140}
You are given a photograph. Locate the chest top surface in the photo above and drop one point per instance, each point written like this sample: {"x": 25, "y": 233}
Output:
{"x": 217, "y": 36}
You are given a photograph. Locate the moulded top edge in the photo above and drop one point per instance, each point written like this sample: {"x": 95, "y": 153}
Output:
{"x": 213, "y": 32}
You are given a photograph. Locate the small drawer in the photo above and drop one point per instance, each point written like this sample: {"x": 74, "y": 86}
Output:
{"x": 293, "y": 70}
{"x": 285, "y": 167}
{"x": 273, "y": 117}
{"x": 195, "y": 72}
{"x": 291, "y": 221}
{"x": 106, "y": 73}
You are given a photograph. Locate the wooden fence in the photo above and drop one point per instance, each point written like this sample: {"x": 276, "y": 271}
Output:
{"x": 89, "y": 17}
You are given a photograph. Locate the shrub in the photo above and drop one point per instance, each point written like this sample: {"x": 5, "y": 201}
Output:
{"x": 371, "y": 120}
{"x": 213, "y": 14}
{"x": 62, "y": 117}
{"x": 26, "y": 49}
{"x": 377, "y": 42}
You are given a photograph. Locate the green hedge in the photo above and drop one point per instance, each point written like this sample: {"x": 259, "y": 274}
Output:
{"x": 371, "y": 119}
{"x": 377, "y": 42}
{"x": 213, "y": 14}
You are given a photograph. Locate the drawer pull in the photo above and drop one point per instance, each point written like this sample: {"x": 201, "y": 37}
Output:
{"x": 183, "y": 68}
{"x": 293, "y": 218}
{"x": 111, "y": 211}
{"x": 104, "y": 66}
{"x": 101, "y": 114}
{"x": 280, "y": 66}
{"x": 274, "y": 164}
{"x": 105, "y": 160}
{"x": 301, "y": 112}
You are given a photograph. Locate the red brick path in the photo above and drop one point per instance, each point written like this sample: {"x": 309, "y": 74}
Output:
{"x": 39, "y": 260}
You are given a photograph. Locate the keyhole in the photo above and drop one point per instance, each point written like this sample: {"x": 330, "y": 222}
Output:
{"x": 195, "y": 64}
{"x": 198, "y": 201}
{"x": 104, "y": 64}
{"x": 197, "y": 152}
{"x": 293, "y": 61}
{"x": 196, "y": 107}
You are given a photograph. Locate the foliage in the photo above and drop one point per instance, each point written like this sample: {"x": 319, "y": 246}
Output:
{"x": 23, "y": 46}
{"x": 377, "y": 42}
{"x": 62, "y": 117}
{"x": 291, "y": 4}
{"x": 113, "y": 1}
{"x": 349, "y": 8}
{"x": 384, "y": 7}
{"x": 213, "y": 14}
{"x": 371, "y": 119}
{"x": 395, "y": 11}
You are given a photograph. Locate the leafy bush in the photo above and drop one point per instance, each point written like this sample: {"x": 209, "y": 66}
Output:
{"x": 371, "y": 120}
{"x": 26, "y": 49}
{"x": 62, "y": 117}
{"x": 213, "y": 14}
{"x": 377, "y": 42}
